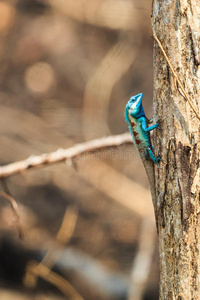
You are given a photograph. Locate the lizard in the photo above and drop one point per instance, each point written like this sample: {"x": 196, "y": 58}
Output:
{"x": 140, "y": 132}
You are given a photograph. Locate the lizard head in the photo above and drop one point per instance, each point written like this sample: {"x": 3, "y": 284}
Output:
{"x": 134, "y": 107}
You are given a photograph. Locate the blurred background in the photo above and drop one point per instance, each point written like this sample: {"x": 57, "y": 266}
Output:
{"x": 67, "y": 69}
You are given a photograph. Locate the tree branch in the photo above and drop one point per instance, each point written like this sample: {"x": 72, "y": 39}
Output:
{"x": 61, "y": 155}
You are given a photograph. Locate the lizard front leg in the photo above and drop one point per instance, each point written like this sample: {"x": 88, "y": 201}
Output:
{"x": 147, "y": 129}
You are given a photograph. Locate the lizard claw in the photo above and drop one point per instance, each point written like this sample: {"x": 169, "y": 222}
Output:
{"x": 150, "y": 120}
{"x": 159, "y": 124}
{"x": 158, "y": 159}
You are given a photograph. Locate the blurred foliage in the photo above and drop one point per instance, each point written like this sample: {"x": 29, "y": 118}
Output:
{"x": 67, "y": 69}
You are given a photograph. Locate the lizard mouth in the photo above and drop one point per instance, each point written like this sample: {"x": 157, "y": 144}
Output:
{"x": 137, "y": 98}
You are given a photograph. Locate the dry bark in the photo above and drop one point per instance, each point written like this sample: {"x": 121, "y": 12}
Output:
{"x": 177, "y": 25}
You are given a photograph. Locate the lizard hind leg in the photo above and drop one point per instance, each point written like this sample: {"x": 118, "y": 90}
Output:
{"x": 152, "y": 156}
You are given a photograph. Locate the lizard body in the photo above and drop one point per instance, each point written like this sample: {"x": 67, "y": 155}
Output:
{"x": 137, "y": 124}
{"x": 139, "y": 130}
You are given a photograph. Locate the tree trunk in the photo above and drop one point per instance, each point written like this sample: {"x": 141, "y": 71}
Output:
{"x": 177, "y": 26}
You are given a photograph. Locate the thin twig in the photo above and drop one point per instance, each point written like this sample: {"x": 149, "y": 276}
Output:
{"x": 43, "y": 269}
{"x": 14, "y": 206}
{"x": 63, "y": 236}
{"x": 40, "y": 270}
{"x": 5, "y": 185}
{"x": 61, "y": 155}
{"x": 170, "y": 65}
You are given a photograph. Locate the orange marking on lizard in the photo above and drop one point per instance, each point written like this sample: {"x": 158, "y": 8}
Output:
{"x": 133, "y": 124}
{"x": 135, "y": 133}
{"x": 137, "y": 141}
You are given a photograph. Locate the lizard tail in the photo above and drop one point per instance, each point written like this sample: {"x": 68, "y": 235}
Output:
{"x": 149, "y": 168}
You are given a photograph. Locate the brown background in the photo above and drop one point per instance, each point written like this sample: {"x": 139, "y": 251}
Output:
{"x": 67, "y": 69}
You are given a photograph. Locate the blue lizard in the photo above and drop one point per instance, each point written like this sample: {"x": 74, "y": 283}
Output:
{"x": 137, "y": 121}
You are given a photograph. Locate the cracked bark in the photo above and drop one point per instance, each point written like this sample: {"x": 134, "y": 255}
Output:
{"x": 177, "y": 25}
